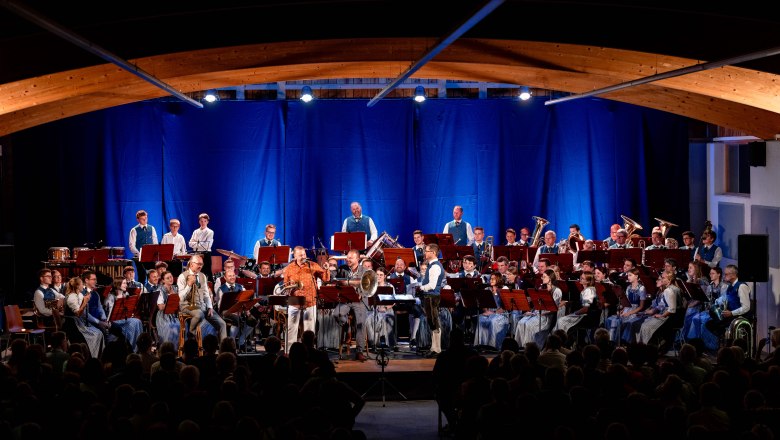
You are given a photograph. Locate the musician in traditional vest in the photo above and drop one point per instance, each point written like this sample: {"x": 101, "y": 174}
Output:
{"x": 360, "y": 223}
{"x": 689, "y": 242}
{"x": 708, "y": 253}
{"x": 351, "y": 274}
{"x": 480, "y": 247}
{"x": 736, "y": 302}
{"x": 141, "y": 234}
{"x": 419, "y": 247}
{"x": 195, "y": 299}
{"x": 268, "y": 240}
{"x": 49, "y": 304}
{"x": 431, "y": 291}
{"x": 462, "y": 234}
{"x": 621, "y": 240}
{"x": 242, "y": 324}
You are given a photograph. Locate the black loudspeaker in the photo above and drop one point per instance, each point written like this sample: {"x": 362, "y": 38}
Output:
{"x": 753, "y": 257}
{"x": 757, "y": 154}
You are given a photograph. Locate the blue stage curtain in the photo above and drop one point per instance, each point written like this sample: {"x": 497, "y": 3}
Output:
{"x": 300, "y": 165}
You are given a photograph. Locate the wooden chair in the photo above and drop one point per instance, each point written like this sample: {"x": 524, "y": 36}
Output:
{"x": 14, "y": 326}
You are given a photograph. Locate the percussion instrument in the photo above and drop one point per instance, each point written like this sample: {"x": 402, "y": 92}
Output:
{"x": 117, "y": 252}
{"x": 231, "y": 254}
{"x": 59, "y": 254}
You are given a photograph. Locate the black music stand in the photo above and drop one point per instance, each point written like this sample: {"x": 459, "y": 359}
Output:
{"x": 478, "y": 299}
{"x": 248, "y": 283}
{"x": 696, "y": 292}
{"x": 276, "y": 255}
{"x": 124, "y": 308}
{"x": 456, "y": 284}
{"x": 382, "y": 297}
{"x": 156, "y": 252}
{"x": 346, "y": 241}
{"x": 92, "y": 257}
{"x": 565, "y": 261}
{"x": 542, "y": 301}
{"x": 393, "y": 254}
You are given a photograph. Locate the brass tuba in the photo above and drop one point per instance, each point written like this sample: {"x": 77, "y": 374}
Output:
{"x": 368, "y": 283}
{"x": 630, "y": 226}
{"x": 536, "y": 237}
{"x": 742, "y": 328}
{"x": 664, "y": 225}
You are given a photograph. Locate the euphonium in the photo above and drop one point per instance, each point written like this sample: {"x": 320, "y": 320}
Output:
{"x": 742, "y": 328}
{"x": 290, "y": 287}
{"x": 536, "y": 237}
{"x": 630, "y": 225}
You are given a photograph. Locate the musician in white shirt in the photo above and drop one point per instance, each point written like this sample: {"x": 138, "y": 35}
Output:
{"x": 201, "y": 241}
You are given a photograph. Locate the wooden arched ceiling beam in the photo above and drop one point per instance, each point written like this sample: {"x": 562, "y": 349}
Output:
{"x": 733, "y": 97}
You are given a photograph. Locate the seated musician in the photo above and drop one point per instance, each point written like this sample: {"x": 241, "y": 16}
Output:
{"x": 511, "y": 237}
{"x": 621, "y": 277}
{"x": 664, "y": 312}
{"x": 694, "y": 307}
{"x": 152, "y": 283}
{"x": 549, "y": 247}
{"x": 162, "y": 266}
{"x": 535, "y": 326}
{"x": 658, "y": 241}
{"x": 619, "y": 325}
{"x": 173, "y": 237}
{"x": 415, "y": 311}
{"x": 588, "y": 315}
{"x": 195, "y": 299}
{"x": 525, "y": 236}
{"x": 380, "y": 322}
{"x": 696, "y": 324}
{"x": 167, "y": 325}
{"x": 708, "y": 253}
{"x": 48, "y": 302}
{"x": 77, "y": 324}
{"x": 670, "y": 265}
{"x": 367, "y": 263}
{"x": 574, "y": 229}
{"x": 502, "y": 264}
{"x": 241, "y": 325}
{"x": 612, "y": 239}
{"x": 459, "y": 314}
{"x": 219, "y": 277}
{"x": 56, "y": 282}
{"x": 130, "y": 327}
{"x": 419, "y": 246}
{"x": 584, "y": 266}
{"x": 689, "y": 242}
{"x": 129, "y": 277}
{"x": 621, "y": 240}
{"x": 541, "y": 267}
{"x": 735, "y": 302}
{"x": 492, "y": 324}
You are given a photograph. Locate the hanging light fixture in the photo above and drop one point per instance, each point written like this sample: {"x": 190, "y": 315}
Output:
{"x": 211, "y": 96}
{"x": 419, "y": 94}
{"x": 525, "y": 93}
{"x": 306, "y": 94}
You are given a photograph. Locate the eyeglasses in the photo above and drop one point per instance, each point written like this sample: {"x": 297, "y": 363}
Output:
{"x": 46, "y": 276}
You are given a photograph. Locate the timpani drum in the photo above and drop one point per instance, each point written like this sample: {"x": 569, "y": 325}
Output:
{"x": 117, "y": 253}
{"x": 59, "y": 254}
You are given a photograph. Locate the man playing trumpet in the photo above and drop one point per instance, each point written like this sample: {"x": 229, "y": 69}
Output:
{"x": 302, "y": 272}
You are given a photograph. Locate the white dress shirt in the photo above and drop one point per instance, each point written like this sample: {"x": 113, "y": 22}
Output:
{"x": 179, "y": 245}
{"x": 201, "y": 240}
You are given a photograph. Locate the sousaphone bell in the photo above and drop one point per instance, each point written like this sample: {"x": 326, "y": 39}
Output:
{"x": 368, "y": 284}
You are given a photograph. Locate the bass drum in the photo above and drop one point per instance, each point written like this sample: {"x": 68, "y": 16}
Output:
{"x": 61, "y": 254}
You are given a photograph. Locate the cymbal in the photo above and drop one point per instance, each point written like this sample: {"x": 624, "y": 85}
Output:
{"x": 231, "y": 254}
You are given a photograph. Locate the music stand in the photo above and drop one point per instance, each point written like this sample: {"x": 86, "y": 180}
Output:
{"x": 156, "y": 252}
{"x": 696, "y": 292}
{"x": 650, "y": 286}
{"x": 276, "y": 255}
{"x": 393, "y": 254}
{"x": 565, "y": 261}
{"x": 124, "y": 308}
{"x": 283, "y": 300}
{"x": 346, "y": 241}
{"x": 265, "y": 286}
{"x": 172, "y": 304}
{"x": 338, "y": 295}
{"x": 445, "y": 240}
{"x": 92, "y": 257}
{"x": 456, "y": 284}
{"x": 655, "y": 258}
{"x": 478, "y": 299}
{"x": 248, "y": 283}
{"x": 607, "y": 298}
{"x": 617, "y": 256}
{"x": 452, "y": 253}
{"x": 542, "y": 301}
{"x": 229, "y": 299}
{"x": 598, "y": 257}
{"x": 514, "y": 299}
{"x": 398, "y": 284}
{"x": 447, "y": 299}
{"x": 624, "y": 303}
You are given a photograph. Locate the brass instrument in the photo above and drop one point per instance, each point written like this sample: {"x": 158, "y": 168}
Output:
{"x": 671, "y": 243}
{"x": 54, "y": 304}
{"x": 742, "y": 328}
{"x": 664, "y": 225}
{"x": 194, "y": 296}
{"x": 536, "y": 236}
{"x": 605, "y": 244}
{"x": 488, "y": 252}
{"x": 368, "y": 284}
{"x": 288, "y": 288}
{"x": 571, "y": 244}
{"x": 630, "y": 226}
{"x": 641, "y": 244}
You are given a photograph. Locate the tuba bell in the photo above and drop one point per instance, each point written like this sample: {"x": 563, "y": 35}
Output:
{"x": 664, "y": 225}
{"x": 536, "y": 237}
{"x": 368, "y": 284}
{"x": 742, "y": 328}
{"x": 630, "y": 226}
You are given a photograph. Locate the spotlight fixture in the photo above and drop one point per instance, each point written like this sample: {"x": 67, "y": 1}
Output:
{"x": 525, "y": 93}
{"x": 419, "y": 94}
{"x": 211, "y": 96}
{"x": 306, "y": 94}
